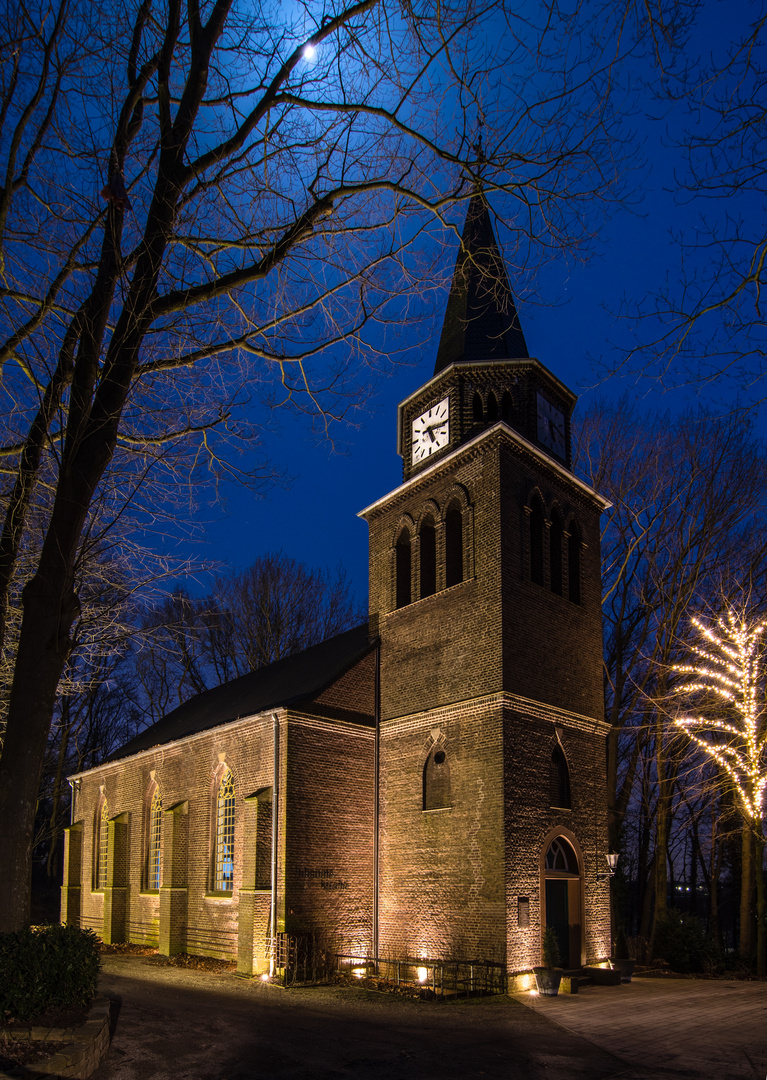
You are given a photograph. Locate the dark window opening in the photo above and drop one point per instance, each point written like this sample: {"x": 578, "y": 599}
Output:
{"x": 402, "y": 555}
{"x": 556, "y": 538}
{"x": 428, "y": 552}
{"x": 476, "y": 407}
{"x": 559, "y": 780}
{"x": 574, "y": 564}
{"x": 536, "y": 543}
{"x": 506, "y": 406}
{"x": 453, "y": 546}
{"x": 492, "y": 406}
{"x": 436, "y": 781}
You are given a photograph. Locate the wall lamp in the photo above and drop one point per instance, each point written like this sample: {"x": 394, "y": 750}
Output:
{"x": 612, "y": 862}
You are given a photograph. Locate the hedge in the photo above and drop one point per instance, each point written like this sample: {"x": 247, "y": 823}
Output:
{"x": 47, "y": 967}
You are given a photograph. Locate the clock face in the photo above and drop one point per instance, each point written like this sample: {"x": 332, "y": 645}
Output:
{"x": 551, "y": 427}
{"x": 431, "y": 431}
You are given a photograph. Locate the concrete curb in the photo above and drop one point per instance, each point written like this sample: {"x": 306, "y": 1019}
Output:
{"x": 89, "y": 1043}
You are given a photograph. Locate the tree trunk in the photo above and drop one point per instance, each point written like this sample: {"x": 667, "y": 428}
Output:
{"x": 761, "y": 910}
{"x": 746, "y": 941}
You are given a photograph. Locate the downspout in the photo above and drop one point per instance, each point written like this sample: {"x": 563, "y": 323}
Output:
{"x": 74, "y": 787}
{"x": 275, "y": 820}
{"x": 376, "y": 780}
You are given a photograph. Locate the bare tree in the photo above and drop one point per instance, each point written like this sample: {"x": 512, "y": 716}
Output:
{"x": 689, "y": 497}
{"x": 200, "y": 207}
{"x": 250, "y": 618}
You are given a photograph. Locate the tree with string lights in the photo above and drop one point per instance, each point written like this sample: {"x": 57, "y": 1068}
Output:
{"x": 728, "y": 670}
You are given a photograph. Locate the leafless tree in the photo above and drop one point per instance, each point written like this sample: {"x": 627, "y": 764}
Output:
{"x": 689, "y": 499}
{"x": 250, "y": 618}
{"x": 217, "y": 202}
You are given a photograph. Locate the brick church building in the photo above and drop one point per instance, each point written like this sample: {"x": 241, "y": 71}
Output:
{"x": 430, "y": 784}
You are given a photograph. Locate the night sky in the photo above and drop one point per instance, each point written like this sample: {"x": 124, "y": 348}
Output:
{"x": 570, "y": 319}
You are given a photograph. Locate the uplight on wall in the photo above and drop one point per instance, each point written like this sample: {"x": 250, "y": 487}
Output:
{"x": 422, "y": 974}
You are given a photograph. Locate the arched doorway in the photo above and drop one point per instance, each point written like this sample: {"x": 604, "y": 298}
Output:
{"x": 562, "y": 885}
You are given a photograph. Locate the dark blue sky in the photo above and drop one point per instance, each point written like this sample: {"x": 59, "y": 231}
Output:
{"x": 570, "y": 319}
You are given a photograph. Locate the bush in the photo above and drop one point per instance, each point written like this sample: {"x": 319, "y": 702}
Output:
{"x": 48, "y": 967}
{"x": 681, "y": 941}
{"x": 550, "y": 948}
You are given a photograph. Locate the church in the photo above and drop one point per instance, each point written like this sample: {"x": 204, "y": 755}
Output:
{"x": 430, "y": 784}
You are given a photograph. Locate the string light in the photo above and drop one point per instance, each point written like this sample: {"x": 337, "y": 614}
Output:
{"x": 731, "y": 671}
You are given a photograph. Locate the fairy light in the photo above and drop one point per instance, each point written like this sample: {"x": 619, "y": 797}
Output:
{"x": 730, "y": 671}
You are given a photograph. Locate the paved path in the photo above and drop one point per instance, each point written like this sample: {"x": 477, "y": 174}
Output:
{"x": 675, "y": 1027}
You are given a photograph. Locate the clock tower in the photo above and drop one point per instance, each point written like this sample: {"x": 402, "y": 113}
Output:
{"x": 485, "y": 591}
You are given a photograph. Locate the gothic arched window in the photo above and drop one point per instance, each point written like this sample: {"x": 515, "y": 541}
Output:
{"x": 556, "y": 538}
{"x": 223, "y": 879}
{"x": 492, "y": 406}
{"x": 560, "y": 857}
{"x": 559, "y": 780}
{"x": 453, "y": 546}
{"x": 154, "y": 847}
{"x": 536, "y": 542}
{"x": 436, "y": 780}
{"x": 506, "y": 404}
{"x": 402, "y": 559}
{"x": 574, "y": 564}
{"x": 428, "y": 554}
{"x": 476, "y": 407}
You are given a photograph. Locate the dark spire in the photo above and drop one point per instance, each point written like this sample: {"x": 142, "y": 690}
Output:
{"x": 481, "y": 321}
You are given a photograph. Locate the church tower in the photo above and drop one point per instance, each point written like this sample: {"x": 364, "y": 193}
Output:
{"x": 485, "y": 590}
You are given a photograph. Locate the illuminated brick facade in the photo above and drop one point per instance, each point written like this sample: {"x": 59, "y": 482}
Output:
{"x": 484, "y": 641}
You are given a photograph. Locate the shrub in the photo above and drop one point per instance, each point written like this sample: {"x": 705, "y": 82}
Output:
{"x": 47, "y": 967}
{"x": 550, "y": 948}
{"x": 681, "y": 941}
{"x": 621, "y": 945}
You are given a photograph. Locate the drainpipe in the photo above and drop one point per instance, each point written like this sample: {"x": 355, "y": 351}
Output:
{"x": 275, "y": 820}
{"x": 74, "y": 787}
{"x": 376, "y": 780}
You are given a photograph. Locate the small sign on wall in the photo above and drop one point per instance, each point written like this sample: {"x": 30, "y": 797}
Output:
{"x": 523, "y": 912}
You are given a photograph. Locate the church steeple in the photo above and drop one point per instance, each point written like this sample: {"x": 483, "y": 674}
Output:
{"x": 481, "y": 321}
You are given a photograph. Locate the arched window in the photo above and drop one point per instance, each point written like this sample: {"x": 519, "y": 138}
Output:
{"x": 428, "y": 553}
{"x": 556, "y": 538}
{"x": 154, "y": 848}
{"x": 224, "y": 868}
{"x": 574, "y": 564}
{"x": 453, "y": 546}
{"x": 561, "y": 857}
{"x": 402, "y": 556}
{"x": 102, "y": 845}
{"x": 492, "y": 407}
{"x": 536, "y": 542}
{"x": 559, "y": 780}
{"x": 506, "y": 404}
{"x": 436, "y": 780}
{"x": 476, "y": 407}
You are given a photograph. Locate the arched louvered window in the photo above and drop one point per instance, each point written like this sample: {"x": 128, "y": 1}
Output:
{"x": 436, "y": 780}
{"x": 154, "y": 849}
{"x": 224, "y": 863}
{"x": 556, "y": 551}
{"x": 428, "y": 555}
{"x": 492, "y": 407}
{"x": 506, "y": 404}
{"x": 476, "y": 407}
{"x": 559, "y": 780}
{"x": 102, "y": 845}
{"x": 536, "y": 542}
{"x": 574, "y": 564}
{"x": 453, "y": 546}
{"x": 403, "y": 577}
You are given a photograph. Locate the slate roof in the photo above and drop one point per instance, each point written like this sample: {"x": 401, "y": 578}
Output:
{"x": 296, "y": 679}
{"x": 481, "y": 321}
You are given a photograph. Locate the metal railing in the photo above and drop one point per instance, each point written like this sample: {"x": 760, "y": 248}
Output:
{"x": 438, "y": 977}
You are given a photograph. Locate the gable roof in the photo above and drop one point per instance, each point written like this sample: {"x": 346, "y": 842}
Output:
{"x": 481, "y": 321}
{"x": 298, "y": 678}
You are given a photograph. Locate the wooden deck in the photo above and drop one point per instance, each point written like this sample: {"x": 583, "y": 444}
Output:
{"x": 675, "y": 1026}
